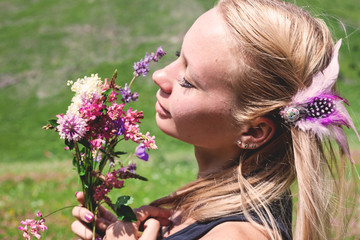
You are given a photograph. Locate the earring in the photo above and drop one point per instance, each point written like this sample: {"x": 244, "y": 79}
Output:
{"x": 246, "y": 146}
{"x": 253, "y": 146}
{"x": 239, "y": 142}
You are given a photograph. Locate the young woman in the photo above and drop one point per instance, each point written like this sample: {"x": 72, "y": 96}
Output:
{"x": 253, "y": 91}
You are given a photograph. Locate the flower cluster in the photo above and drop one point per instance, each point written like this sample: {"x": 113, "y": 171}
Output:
{"x": 97, "y": 119}
{"x": 96, "y": 116}
{"x": 33, "y": 227}
{"x": 112, "y": 180}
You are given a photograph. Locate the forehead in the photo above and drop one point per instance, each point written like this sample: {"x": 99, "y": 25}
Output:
{"x": 208, "y": 47}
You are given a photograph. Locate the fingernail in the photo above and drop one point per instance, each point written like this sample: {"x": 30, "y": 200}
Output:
{"x": 89, "y": 217}
{"x": 76, "y": 193}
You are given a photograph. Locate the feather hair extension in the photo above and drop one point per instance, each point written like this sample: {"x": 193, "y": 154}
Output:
{"x": 319, "y": 109}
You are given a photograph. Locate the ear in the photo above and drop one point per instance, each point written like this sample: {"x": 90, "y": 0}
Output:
{"x": 257, "y": 133}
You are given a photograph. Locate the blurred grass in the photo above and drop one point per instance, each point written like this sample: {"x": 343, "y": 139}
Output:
{"x": 43, "y": 43}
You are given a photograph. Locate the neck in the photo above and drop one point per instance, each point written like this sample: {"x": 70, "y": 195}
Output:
{"x": 215, "y": 160}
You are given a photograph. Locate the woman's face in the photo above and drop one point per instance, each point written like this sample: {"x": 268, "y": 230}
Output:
{"x": 195, "y": 97}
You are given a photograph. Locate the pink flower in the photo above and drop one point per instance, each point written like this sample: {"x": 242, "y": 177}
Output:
{"x": 133, "y": 116}
{"x": 96, "y": 143}
{"x": 112, "y": 180}
{"x": 149, "y": 142}
{"x": 112, "y": 97}
{"x": 71, "y": 127}
{"x": 132, "y": 132}
{"x": 92, "y": 110}
{"x": 106, "y": 85}
{"x": 33, "y": 227}
{"x": 115, "y": 111}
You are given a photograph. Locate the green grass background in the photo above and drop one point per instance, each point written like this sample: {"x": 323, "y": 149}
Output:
{"x": 44, "y": 43}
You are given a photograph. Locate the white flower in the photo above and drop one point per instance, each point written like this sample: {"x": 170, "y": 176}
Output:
{"x": 86, "y": 90}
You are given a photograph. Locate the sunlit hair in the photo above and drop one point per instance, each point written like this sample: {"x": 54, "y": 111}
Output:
{"x": 279, "y": 48}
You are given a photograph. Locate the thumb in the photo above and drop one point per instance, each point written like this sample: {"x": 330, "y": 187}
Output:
{"x": 151, "y": 229}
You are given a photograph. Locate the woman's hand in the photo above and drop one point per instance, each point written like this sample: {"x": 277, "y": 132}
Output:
{"x": 152, "y": 217}
{"x": 104, "y": 219}
{"x": 106, "y": 223}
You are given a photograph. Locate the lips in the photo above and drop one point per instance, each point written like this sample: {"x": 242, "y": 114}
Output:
{"x": 161, "y": 110}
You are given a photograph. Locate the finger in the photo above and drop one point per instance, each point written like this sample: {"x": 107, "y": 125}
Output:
{"x": 109, "y": 216}
{"x": 152, "y": 227}
{"x": 149, "y": 211}
{"x": 80, "y": 197}
{"x": 81, "y": 230}
{"x": 102, "y": 224}
{"x": 82, "y": 214}
{"x": 122, "y": 230}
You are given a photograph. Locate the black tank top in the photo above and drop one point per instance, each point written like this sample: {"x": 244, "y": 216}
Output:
{"x": 281, "y": 210}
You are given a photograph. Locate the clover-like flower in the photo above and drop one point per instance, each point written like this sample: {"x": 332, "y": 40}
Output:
{"x": 71, "y": 127}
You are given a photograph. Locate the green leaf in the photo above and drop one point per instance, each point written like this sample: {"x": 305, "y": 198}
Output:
{"x": 70, "y": 144}
{"x": 53, "y": 123}
{"x": 118, "y": 153}
{"x": 82, "y": 172}
{"x": 75, "y": 162}
{"x": 124, "y": 200}
{"x": 85, "y": 143}
{"x": 123, "y": 211}
{"x": 107, "y": 92}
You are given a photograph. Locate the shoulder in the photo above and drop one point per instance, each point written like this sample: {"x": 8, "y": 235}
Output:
{"x": 235, "y": 231}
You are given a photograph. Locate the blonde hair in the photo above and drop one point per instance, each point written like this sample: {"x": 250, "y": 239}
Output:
{"x": 280, "y": 48}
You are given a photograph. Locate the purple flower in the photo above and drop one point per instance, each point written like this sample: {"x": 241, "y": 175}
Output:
{"x": 142, "y": 67}
{"x": 119, "y": 126}
{"x": 71, "y": 127}
{"x": 159, "y": 54}
{"x": 127, "y": 96}
{"x": 141, "y": 152}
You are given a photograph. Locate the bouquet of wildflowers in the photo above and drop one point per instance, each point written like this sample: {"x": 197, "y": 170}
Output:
{"x": 95, "y": 122}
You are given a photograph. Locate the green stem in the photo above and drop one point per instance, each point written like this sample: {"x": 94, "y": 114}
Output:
{"x": 94, "y": 229}
{"x": 132, "y": 80}
{"x": 59, "y": 210}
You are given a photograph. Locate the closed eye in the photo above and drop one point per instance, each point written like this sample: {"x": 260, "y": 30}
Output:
{"x": 184, "y": 83}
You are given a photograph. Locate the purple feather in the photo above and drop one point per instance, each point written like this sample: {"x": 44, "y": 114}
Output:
{"x": 324, "y": 110}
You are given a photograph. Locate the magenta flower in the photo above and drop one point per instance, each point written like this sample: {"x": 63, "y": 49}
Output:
{"x": 92, "y": 110}
{"x": 71, "y": 127}
{"x": 141, "y": 152}
{"x": 112, "y": 180}
{"x": 33, "y": 227}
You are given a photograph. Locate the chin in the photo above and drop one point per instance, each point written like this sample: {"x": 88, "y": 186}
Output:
{"x": 166, "y": 126}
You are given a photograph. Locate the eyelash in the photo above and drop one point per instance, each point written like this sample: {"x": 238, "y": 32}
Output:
{"x": 184, "y": 83}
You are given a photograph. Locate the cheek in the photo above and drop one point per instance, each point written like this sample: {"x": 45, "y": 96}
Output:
{"x": 191, "y": 118}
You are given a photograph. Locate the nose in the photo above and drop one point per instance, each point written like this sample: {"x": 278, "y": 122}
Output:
{"x": 162, "y": 79}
